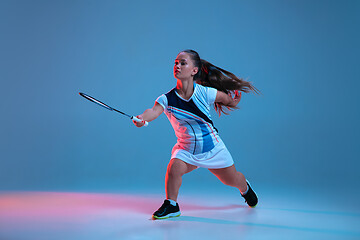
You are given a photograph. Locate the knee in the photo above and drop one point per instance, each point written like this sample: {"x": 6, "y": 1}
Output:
{"x": 230, "y": 179}
{"x": 174, "y": 170}
{"x": 234, "y": 180}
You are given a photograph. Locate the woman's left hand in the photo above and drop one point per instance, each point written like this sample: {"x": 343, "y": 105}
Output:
{"x": 237, "y": 97}
{"x": 227, "y": 99}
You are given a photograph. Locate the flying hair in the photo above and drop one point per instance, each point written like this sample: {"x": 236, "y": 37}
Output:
{"x": 210, "y": 75}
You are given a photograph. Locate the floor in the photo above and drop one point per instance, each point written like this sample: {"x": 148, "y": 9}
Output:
{"x": 206, "y": 214}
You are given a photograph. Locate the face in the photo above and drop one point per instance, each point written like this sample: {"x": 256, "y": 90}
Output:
{"x": 184, "y": 67}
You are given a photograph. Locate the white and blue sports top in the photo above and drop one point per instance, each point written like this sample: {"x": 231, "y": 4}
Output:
{"x": 191, "y": 119}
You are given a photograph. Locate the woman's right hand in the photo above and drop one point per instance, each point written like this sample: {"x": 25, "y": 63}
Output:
{"x": 139, "y": 124}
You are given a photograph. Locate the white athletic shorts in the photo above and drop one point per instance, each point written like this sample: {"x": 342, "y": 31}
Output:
{"x": 218, "y": 157}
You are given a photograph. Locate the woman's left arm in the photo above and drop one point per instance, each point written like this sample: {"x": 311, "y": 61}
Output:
{"x": 227, "y": 100}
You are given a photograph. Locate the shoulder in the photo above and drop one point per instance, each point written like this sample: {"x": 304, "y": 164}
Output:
{"x": 170, "y": 93}
{"x": 200, "y": 88}
{"x": 207, "y": 93}
{"x": 163, "y": 99}
{"x": 204, "y": 89}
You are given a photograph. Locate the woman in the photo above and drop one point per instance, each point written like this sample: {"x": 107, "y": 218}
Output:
{"x": 188, "y": 108}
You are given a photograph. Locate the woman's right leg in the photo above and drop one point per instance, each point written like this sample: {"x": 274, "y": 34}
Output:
{"x": 175, "y": 170}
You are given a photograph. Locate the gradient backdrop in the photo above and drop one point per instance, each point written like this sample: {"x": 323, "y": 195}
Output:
{"x": 303, "y": 131}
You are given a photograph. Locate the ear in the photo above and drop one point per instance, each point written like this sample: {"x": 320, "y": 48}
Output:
{"x": 195, "y": 70}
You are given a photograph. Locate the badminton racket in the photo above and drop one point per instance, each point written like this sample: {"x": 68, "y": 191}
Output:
{"x": 110, "y": 108}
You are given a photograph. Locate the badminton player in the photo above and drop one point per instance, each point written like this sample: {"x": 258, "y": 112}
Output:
{"x": 199, "y": 85}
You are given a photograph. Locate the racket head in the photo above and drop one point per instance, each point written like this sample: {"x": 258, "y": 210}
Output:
{"x": 94, "y": 100}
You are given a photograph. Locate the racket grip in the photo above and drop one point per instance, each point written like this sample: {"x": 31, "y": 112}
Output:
{"x": 138, "y": 120}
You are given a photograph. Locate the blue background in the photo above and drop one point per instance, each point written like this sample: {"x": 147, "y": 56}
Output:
{"x": 302, "y": 131}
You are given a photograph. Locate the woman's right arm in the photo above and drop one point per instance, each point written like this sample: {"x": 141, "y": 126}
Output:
{"x": 149, "y": 114}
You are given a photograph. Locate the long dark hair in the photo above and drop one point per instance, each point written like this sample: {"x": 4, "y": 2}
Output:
{"x": 210, "y": 75}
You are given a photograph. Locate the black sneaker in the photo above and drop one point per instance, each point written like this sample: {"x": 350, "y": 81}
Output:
{"x": 167, "y": 210}
{"x": 250, "y": 197}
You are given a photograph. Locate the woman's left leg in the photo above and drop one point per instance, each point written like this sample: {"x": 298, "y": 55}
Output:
{"x": 229, "y": 176}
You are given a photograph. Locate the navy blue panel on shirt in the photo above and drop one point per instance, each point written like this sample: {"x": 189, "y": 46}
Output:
{"x": 175, "y": 101}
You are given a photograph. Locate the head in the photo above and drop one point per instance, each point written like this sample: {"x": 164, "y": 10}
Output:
{"x": 187, "y": 65}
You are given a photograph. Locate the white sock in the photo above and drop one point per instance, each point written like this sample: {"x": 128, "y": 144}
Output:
{"x": 243, "y": 193}
{"x": 172, "y": 202}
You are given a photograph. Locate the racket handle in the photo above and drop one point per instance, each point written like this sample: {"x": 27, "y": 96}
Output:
{"x": 138, "y": 120}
